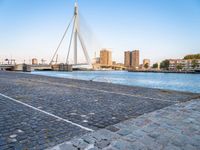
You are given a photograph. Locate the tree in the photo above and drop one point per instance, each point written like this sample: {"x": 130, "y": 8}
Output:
{"x": 146, "y": 66}
{"x": 155, "y": 65}
{"x": 164, "y": 65}
{"x": 194, "y": 64}
{"x": 179, "y": 67}
{"x": 195, "y": 56}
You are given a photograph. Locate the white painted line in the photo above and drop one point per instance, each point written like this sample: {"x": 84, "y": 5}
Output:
{"x": 125, "y": 94}
{"x": 47, "y": 113}
{"x": 110, "y": 92}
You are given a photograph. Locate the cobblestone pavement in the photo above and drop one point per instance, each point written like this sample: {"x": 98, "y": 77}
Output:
{"x": 90, "y": 104}
{"x": 176, "y": 127}
{"x": 22, "y": 128}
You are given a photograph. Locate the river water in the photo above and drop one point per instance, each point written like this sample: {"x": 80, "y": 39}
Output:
{"x": 170, "y": 81}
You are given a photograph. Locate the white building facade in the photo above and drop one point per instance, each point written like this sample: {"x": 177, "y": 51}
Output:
{"x": 176, "y": 64}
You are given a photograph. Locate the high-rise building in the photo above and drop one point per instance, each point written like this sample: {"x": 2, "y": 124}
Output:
{"x": 106, "y": 57}
{"x": 132, "y": 59}
{"x": 127, "y": 59}
{"x": 34, "y": 61}
{"x": 135, "y": 59}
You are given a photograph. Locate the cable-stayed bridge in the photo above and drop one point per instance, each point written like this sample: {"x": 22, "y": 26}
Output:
{"x": 75, "y": 37}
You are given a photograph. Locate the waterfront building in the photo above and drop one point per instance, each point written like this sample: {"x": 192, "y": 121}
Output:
{"x": 182, "y": 64}
{"x": 96, "y": 60}
{"x": 106, "y": 57}
{"x": 114, "y": 63}
{"x": 34, "y": 61}
{"x": 127, "y": 59}
{"x": 146, "y": 64}
{"x": 120, "y": 64}
{"x": 135, "y": 59}
{"x": 173, "y": 63}
{"x": 132, "y": 59}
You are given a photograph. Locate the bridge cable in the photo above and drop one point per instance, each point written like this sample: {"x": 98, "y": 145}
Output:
{"x": 72, "y": 34}
{"x": 84, "y": 49}
{"x": 56, "y": 51}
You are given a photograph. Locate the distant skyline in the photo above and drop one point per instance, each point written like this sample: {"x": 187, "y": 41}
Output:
{"x": 160, "y": 29}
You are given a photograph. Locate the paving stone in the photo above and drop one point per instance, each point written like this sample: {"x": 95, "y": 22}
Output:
{"x": 151, "y": 127}
{"x": 100, "y": 104}
{"x": 190, "y": 147}
{"x": 67, "y": 147}
{"x": 102, "y": 144}
{"x": 94, "y": 148}
{"x": 28, "y": 137}
{"x": 152, "y": 144}
{"x": 104, "y": 135}
{"x": 79, "y": 143}
{"x": 124, "y": 132}
{"x": 89, "y": 139}
{"x": 121, "y": 145}
{"x": 154, "y": 135}
{"x": 112, "y": 128}
{"x": 110, "y": 148}
{"x": 171, "y": 147}
{"x": 130, "y": 138}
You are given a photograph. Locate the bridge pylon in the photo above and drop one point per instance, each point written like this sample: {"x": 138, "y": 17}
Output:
{"x": 74, "y": 38}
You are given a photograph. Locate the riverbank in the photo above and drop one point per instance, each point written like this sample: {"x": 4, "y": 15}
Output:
{"x": 38, "y": 112}
{"x": 166, "y": 71}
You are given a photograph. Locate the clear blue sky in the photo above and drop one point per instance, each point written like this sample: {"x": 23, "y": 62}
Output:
{"x": 159, "y": 28}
